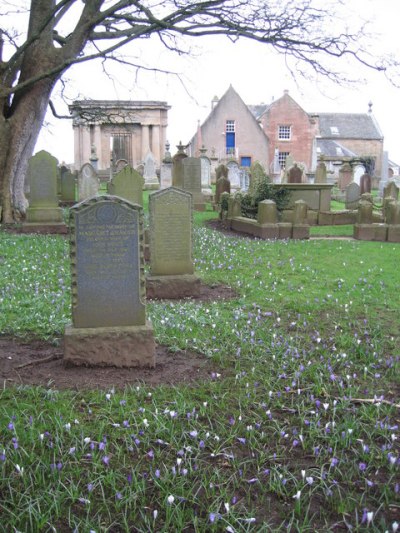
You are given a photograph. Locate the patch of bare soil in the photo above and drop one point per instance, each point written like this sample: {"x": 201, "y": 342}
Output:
{"x": 39, "y": 362}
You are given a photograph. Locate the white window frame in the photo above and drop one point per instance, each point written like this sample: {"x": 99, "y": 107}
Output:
{"x": 230, "y": 126}
{"x": 284, "y": 133}
{"x": 281, "y": 159}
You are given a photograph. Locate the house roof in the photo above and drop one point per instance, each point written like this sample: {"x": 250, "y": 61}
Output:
{"x": 331, "y": 148}
{"x": 258, "y": 109}
{"x": 349, "y": 126}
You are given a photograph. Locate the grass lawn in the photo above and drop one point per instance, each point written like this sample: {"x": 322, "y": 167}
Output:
{"x": 297, "y": 430}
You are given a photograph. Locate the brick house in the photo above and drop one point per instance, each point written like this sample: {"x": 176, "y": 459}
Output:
{"x": 231, "y": 131}
{"x": 287, "y": 129}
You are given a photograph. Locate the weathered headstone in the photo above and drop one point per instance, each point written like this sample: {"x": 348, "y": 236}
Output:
{"x": 127, "y": 184}
{"x": 43, "y": 213}
{"x": 320, "y": 173}
{"x": 222, "y": 185}
{"x": 391, "y": 190}
{"x": 108, "y": 286}
{"x": 244, "y": 179}
{"x": 257, "y": 175}
{"x": 88, "y": 182}
{"x": 221, "y": 171}
{"x": 295, "y": 174}
{"x": 68, "y": 185}
{"x": 150, "y": 173}
{"x": 205, "y": 175}
{"x": 233, "y": 174}
{"x": 171, "y": 261}
{"x": 384, "y": 172}
{"x": 192, "y": 181}
{"x": 359, "y": 170}
{"x": 365, "y": 183}
{"x": 345, "y": 176}
{"x": 393, "y": 221}
{"x": 267, "y": 217}
{"x": 177, "y": 166}
{"x": 301, "y": 228}
{"x": 352, "y": 195}
{"x": 120, "y": 164}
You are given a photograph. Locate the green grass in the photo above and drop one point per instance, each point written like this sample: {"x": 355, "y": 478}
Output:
{"x": 284, "y": 436}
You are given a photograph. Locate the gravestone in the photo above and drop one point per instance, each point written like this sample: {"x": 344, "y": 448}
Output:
{"x": 301, "y": 228}
{"x": 365, "y": 183}
{"x": 43, "y": 214}
{"x": 205, "y": 176}
{"x": 177, "y": 167}
{"x": 150, "y": 173}
{"x": 171, "y": 261}
{"x": 109, "y": 324}
{"x": 295, "y": 174}
{"x": 267, "y": 217}
{"x": 233, "y": 174}
{"x": 88, "y": 182}
{"x": 345, "y": 176}
{"x": 384, "y": 172}
{"x": 393, "y": 221}
{"x": 127, "y": 184}
{"x": 120, "y": 164}
{"x": 352, "y": 196}
{"x": 68, "y": 185}
{"x": 257, "y": 175}
{"x": 320, "y": 173}
{"x": 222, "y": 185}
{"x": 244, "y": 179}
{"x": 192, "y": 181}
{"x": 391, "y": 190}
{"x": 221, "y": 171}
{"x": 166, "y": 169}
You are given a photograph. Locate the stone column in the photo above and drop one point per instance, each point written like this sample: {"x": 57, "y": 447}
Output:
{"x": 155, "y": 144}
{"x": 145, "y": 141}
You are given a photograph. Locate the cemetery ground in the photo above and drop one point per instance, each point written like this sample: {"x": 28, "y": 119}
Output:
{"x": 275, "y": 409}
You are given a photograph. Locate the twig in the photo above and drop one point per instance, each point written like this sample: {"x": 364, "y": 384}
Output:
{"x": 39, "y": 361}
{"x": 373, "y": 400}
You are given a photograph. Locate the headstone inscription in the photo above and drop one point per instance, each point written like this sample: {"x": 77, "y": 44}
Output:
{"x": 108, "y": 286}
{"x": 171, "y": 261}
{"x": 88, "y": 182}
{"x": 43, "y": 199}
{"x": 127, "y": 184}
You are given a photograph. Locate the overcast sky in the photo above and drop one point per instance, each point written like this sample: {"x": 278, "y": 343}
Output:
{"x": 257, "y": 74}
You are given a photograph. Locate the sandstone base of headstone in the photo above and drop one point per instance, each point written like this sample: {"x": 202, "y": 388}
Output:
{"x": 370, "y": 232}
{"x": 44, "y": 229}
{"x": 301, "y": 231}
{"x": 172, "y": 287}
{"x": 128, "y": 346}
{"x": 46, "y": 215}
{"x": 393, "y": 234}
{"x": 151, "y": 185}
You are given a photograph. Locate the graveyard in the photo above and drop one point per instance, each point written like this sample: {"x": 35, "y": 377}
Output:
{"x": 162, "y": 371}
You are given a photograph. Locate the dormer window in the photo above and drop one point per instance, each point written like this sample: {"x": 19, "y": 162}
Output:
{"x": 285, "y": 133}
{"x": 334, "y": 130}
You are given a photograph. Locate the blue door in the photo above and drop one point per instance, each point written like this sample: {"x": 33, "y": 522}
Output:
{"x": 230, "y": 142}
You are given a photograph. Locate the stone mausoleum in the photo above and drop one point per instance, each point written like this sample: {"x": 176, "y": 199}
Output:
{"x": 128, "y": 130}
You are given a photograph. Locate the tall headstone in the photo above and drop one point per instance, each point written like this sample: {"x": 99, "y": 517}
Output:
{"x": 109, "y": 324}
{"x": 384, "y": 172}
{"x": 171, "y": 260}
{"x": 221, "y": 171}
{"x": 257, "y": 175}
{"x": 345, "y": 176}
{"x": 177, "y": 166}
{"x": 365, "y": 183}
{"x": 359, "y": 170}
{"x": 301, "y": 228}
{"x": 222, "y": 185}
{"x": 391, "y": 190}
{"x": 393, "y": 221}
{"x": 320, "y": 173}
{"x": 68, "y": 185}
{"x": 192, "y": 181}
{"x": 150, "y": 173}
{"x": 234, "y": 174}
{"x": 352, "y": 196}
{"x": 166, "y": 169}
{"x": 127, "y": 184}
{"x": 205, "y": 175}
{"x": 43, "y": 213}
{"x": 120, "y": 164}
{"x": 244, "y": 179}
{"x": 88, "y": 182}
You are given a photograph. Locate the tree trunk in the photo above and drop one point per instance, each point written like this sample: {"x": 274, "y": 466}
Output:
{"x": 18, "y": 136}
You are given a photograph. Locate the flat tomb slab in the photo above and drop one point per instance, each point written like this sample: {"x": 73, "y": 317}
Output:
{"x": 125, "y": 346}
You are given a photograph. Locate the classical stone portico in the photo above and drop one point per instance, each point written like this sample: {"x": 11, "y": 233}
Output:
{"x": 128, "y": 130}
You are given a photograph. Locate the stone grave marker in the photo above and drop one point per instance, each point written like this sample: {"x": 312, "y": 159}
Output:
{"x": 244, "y": 179}
{"x": 345, "y": 176}
{"x": 365, "y": 183}
{"x": 43, "y": 210}
{"x": 359, "y": 170}
{"x": 222, "y": 185}
{"x": 391, "y": 190}
{"x": 88, "y": 182}
{"x": 150, "y": 172}
{"x": 192, "y": 181}
{"x": 171, "y": 261}
{"x": 109, "y": 324}
{"x": 68, "y": 185}
{"x": 221, "y": 171}
{"x": 352, "y": 195}
{"x": 120, "y": 164}
{"x": 127, "y": 184}
{"x": 295, "y": 174}
{"x": 205, "y": 175}
{"x": 320, "y": 173}
{"x": 233, "y": 174}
